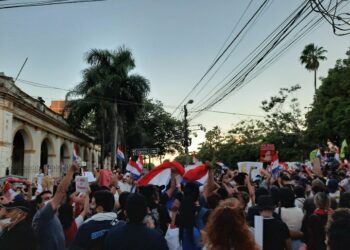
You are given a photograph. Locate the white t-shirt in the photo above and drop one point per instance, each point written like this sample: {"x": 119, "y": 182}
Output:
{"x": 292, "y": 216}
{"x": 124, "y": 187}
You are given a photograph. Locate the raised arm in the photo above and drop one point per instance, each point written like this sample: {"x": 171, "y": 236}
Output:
{"x": 63, "y": 186}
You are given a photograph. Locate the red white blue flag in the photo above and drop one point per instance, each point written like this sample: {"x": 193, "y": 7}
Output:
{"x": 120, "y": 154}
{"x": 135, "y": 168}
{"x": 76, "y": 153}
{"x": 160, "y": 175}
{"x": 198, "y": 174}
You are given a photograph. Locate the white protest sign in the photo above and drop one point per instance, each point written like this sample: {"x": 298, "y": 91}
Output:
{"x": 81, "y": 184}
{"x": 247, "y": 165}
{"x": 90, "y": 176}
{"x": 259, "y": 230}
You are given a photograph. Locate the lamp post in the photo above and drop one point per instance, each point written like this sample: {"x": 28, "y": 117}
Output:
{"x": 186, "y": 131}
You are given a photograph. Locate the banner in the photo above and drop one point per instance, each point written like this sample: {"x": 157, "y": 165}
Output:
{"x": 267, "y": 152}
{"x": 247, "y": 165}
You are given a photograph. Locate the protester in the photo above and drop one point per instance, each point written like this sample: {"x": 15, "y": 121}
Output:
{"x": 47, "y": 227}
{"x": 17, "y": 233}
{"x": 134, "y": 235}
{"x": 337, "y": 230}
{"x": 292, "y": 216}
{"x": 227, "y": 229}
{"x": 314, "y": 226}
{"x": 93, "y": 231}
{"x": 69, "y": 223}
{"x": 275, "y": 233}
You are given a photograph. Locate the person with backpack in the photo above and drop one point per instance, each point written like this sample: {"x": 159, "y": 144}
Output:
{"x": 92, "y": 233}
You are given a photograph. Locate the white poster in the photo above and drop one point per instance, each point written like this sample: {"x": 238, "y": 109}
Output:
{"x": 259, "y": 230}
{"x": 81, "y": 184}
{"x": 247, "y": 165}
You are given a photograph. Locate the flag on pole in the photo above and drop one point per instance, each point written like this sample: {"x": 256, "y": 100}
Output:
{"x": 135, "y": 168}
{"x": 120, "y": 154}
{"x": 76, "y": 153}
{"x": 160, "y": 175}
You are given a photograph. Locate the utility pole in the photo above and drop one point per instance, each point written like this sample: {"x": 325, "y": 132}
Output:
{"x": 186, "y": 142}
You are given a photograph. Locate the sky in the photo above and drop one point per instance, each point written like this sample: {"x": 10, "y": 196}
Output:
{"x": 173, "y": 43}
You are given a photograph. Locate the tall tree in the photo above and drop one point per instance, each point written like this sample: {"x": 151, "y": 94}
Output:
{"x": 329, "y": 115}
{"x": 311, "y": 57}
{"x": 108, "y": 93}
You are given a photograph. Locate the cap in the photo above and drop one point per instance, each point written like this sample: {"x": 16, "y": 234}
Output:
{"x": 18, "y": 204}
{"x": 265, "y": 202}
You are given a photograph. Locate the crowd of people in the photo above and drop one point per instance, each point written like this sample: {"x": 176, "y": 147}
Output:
{"x": 301, "y": 209}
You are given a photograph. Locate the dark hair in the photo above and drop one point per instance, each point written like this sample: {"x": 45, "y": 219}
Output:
{"x": 222, "y": 192}
{"x": 299, "y": 192}
{"x": 286, "y": 197}
{"x": 150, "y": 192}
{"x": 136, "y": 207}
{"x": 191, "y": 190}
{"x": 65, "y": 215}
{"x": 122, "y": 199}
{"x": 213, "y": 200}
{"x": 338, "y": 230}
{"x": 344, "y": 200}
{"x": 259, "y": 192}
{"x": 39, "y": 197}
{"x": 104, "y": 199}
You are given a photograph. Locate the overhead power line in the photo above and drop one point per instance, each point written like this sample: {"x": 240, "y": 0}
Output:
{"x": 264, "y": 58}
{"x": 223, "y": 52}
{"x": 44, "y": 3}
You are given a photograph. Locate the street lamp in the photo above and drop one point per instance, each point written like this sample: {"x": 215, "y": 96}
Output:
{"x": 186, "y": 131}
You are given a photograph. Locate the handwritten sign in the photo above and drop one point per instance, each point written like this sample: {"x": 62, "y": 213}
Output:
{"x": 81, "y": 184}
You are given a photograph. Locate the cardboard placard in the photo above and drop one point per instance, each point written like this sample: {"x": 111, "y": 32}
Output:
{"x": 81, "y": 184}
{"x": 267, "y": 152}
{"x": 90, "y": 176}
{"x": 317, "y": 167}
{"x": 247, "y": 165}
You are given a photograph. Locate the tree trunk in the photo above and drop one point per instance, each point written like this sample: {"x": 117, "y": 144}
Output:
{"x": 115, "y": 135}
{"x": 315, "y": 71}
{"x": 102, "y": 144}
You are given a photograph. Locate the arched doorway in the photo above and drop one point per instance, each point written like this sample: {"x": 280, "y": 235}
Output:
{"x": 18, "y": 154}
{"x": 63, "y": 158}
{"x": 44, "y": 154}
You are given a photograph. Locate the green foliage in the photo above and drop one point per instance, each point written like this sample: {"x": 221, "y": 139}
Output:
{"x": 155, "y": 128}
{"x": 311, "y": 55}
{"x": 283, "y": 125}
{"x": 329, "y": 117}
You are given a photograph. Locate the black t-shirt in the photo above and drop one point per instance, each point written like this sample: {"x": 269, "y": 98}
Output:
{"x": 20, "y": 237}
{"x": 275, "y": 234}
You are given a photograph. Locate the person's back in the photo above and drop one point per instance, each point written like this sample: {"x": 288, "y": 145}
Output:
{"x": 48, "y": 229}
{"x": 92, "y": 233}
{"x": 275, "y": 234}
{"x": 134, "y": 235}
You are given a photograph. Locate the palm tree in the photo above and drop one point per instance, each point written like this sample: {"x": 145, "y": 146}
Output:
{"x": 108, "y": 93}
{"x": 310, "y": 56}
